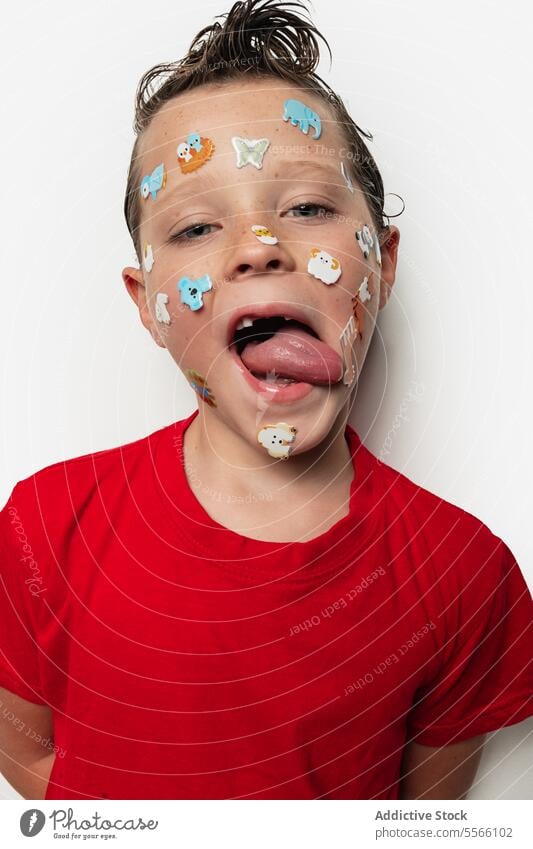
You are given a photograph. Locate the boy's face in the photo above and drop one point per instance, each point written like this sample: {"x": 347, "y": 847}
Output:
{"x": 198, "y": 221}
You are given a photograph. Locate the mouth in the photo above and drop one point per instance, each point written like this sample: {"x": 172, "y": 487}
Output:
{"x": 281, "y": 351}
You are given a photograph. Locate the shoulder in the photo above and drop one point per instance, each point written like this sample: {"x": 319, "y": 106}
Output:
{"x": 52, "y": 500}
{"x": 434, "y": 530}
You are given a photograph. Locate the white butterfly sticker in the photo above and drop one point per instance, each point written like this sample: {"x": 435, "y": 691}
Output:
{"x": 250, "y": 151}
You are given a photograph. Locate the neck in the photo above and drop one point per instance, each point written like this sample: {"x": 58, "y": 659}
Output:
{"x": 222, "y": 458}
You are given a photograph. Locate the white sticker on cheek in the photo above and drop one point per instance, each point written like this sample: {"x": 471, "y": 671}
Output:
{"x": 161, "y": 312}
{"x": 324, "y": 267}
{"x": 277, "y": 439}
{"x": 148, "y": 258}
{"x": 377, "y": 248}
{"x": 264, "y": 235}
{"x": 365, "y": 240}
{"x": 347, "y": 339}
{"x": 364, "y": 294}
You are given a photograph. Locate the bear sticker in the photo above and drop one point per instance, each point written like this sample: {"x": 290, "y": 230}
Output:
{"x": 277, "y": 439}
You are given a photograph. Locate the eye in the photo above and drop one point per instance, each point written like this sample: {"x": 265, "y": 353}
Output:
{"x": 192, "y": 233}
{"x": 310, "y": 210}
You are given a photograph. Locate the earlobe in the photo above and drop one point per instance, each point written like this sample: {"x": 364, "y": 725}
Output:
{"x": 136, "y": 289}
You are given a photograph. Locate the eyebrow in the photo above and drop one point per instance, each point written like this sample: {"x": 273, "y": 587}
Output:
{"x": 303, "y": 168}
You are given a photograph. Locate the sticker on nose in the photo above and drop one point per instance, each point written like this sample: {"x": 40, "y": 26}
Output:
{"x": 324, "y": 267}
{"x": 152, "y": 183}
{"x": 148, "y": 258}
{"x": 277, "y": 439}
{"x": 161, "y": 312}
{"x": 264, "y": 235}
{"x": 302, "y": 116}
{"x": 194, "y": 152}
{"x": 250, "y": 151}
{"x": 191, "y": 291}
{"x": 199, "y": 384}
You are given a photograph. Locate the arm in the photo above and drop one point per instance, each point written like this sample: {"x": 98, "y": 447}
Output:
{"x": 25, "y": 762}
{"x": 440, "y": 772}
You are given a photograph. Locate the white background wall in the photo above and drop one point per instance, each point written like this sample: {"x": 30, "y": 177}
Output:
{"x": 445, "y": 88}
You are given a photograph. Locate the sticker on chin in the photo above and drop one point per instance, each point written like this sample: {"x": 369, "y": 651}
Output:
{"x": 277, "y": 439}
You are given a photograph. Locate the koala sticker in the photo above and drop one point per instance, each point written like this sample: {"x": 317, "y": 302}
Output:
{"x": 324, "y": 266}
{"x": 191, "y": 291}
{"x": 277, "y": 439}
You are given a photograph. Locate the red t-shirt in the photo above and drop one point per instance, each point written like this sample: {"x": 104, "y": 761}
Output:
{"x": 183, "y": 660}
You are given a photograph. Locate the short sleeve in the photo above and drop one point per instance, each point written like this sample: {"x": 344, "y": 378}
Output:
{"x": 485, "y": 678}
{"x": 21, "y": 590}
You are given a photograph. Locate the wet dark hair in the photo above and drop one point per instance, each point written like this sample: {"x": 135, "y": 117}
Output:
{"x": 259, "y": 38}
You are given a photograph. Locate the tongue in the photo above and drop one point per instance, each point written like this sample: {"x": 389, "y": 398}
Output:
{"x": 294, "y": 353}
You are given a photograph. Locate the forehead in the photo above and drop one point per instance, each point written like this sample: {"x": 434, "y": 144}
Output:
{"x": 250, "y": 108}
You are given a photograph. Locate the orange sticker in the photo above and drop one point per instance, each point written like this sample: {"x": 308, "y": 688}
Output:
{"x": 194, "y": 152}
{"x": 199, "y": 384}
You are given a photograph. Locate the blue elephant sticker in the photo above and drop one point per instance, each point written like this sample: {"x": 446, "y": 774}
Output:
{"x": 301, "y": 115}
{"x": 191, "y": 291}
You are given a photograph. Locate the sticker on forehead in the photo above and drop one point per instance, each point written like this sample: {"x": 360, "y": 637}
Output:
{"x": 199, "y": 384}
{"x": 152, "y": 183}
{"x": 148, "y": 258}
{"x": 264, "y": 235}
{"x": 347, "y": 178}
{"x": 277, "y": 439}
{"x": 161, "y": 312}
{"x": 194, "y": 152}
{"x": 324, "y": 266}
{"x": 191, "y": 291}
{"x": 302, "y": 116}
{"x": 347, "y": 339}
{"x": 250, "y": 151}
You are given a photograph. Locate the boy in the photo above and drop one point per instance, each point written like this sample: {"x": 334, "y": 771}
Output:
{"x": 343, "y": 633}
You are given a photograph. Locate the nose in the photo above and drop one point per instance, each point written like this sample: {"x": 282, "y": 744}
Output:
{"x": 250, "y": 256}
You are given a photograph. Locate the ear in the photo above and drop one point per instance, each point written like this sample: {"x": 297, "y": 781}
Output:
{"x": 389, "y": 242}
{"x": 335, "y": 264}
{"x": 136, "y": 289}
{"x": 314, "y": 252}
